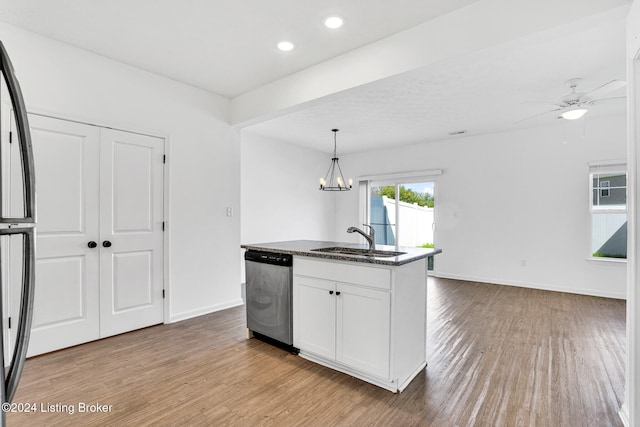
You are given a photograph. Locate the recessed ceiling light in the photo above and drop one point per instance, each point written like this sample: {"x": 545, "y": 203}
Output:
{"x": 333, "y": 22}
{"x": 285, "y": 46}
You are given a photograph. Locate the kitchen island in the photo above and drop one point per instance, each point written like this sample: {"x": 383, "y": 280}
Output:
{"x": 359, "y": 312}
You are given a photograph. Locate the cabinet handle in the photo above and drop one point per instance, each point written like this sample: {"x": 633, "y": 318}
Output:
{"x": 106, "y": 243}
{"x": 92, "y": 244}
{"x": 330, "y": 292}
{"x": 337, "y": 292}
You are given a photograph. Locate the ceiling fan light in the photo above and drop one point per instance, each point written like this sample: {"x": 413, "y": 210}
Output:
{"x": 574, "y": 113}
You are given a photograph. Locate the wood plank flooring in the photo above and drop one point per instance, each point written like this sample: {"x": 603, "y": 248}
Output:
{"x": 498, "y": 356}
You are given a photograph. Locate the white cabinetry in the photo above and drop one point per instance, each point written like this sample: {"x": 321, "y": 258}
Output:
{"x": 365, "y": 320}
{"x": 315, "y": 318}
{"x": 362, "y": 329}
{"x": 344, "y": 322}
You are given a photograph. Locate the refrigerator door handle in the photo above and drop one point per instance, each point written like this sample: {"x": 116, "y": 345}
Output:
{"x": 26, "y": 311}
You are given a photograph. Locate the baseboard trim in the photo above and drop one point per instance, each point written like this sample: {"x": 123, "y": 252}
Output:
{"x": 177, "y": 317}
{"x": 541, "y": 286}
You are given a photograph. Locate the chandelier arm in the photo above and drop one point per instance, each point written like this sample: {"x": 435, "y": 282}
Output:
{"x": 328, "y": 174}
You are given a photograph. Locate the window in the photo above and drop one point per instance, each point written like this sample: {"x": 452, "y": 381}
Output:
{"x": 608, "y": 182}
{"x": 604, "y": 188}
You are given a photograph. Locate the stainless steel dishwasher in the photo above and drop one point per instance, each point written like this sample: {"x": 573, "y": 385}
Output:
{"x": 269, "y": 293}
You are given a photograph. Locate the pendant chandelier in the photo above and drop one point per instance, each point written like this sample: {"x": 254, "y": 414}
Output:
{"x": 334, "y": 180}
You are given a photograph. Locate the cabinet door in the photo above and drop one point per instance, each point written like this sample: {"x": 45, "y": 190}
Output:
{"x": 363, "y": 328}
{"x": 314, "y": 311}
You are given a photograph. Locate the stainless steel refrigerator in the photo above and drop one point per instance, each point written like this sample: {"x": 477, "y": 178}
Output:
{"x": 23, "y": 229}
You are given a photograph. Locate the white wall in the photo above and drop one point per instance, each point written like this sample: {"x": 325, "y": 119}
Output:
{"x": 513, "y": 207}
{"x": 280, "y": 197}
{"x": 279, "y": 194}
{"x": 204, "y": 154}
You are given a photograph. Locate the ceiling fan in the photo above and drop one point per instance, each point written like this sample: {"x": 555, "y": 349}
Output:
{"x": 575, "y": 104}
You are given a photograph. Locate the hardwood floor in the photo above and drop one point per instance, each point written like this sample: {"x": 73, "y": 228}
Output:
{"x": 498, "y": 356}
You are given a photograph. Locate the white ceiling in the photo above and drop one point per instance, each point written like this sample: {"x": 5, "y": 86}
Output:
{"x": 485, "y": 92}
{"x": 225, "y": 46}
{"x": 228, "y": 47}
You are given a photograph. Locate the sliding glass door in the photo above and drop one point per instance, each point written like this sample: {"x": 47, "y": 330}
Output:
{"x": 402, "y": 213}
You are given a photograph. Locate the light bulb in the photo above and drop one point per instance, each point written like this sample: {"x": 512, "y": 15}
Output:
{"x": 333, "y": 22}
{"x": 285, "y": 46}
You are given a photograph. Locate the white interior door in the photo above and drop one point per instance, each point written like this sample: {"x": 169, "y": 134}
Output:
{"x": 131, "y": 218}
{"x": 66, "y": 305}
{"x": 93, "y": 186}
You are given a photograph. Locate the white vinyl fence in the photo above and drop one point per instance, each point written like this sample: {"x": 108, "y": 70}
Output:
{"x": 416, "y": 222}
{"x": 605, "y": 234}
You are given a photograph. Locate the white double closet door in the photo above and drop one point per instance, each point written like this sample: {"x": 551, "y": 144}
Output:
{"x": 99, "y": 238}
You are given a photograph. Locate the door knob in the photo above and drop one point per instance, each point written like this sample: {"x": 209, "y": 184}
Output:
{"x": 92, "y": 244}
{"x": 106, "y": 244}
{"x": 330, "y": 292}
{"x": 338, "y": 293}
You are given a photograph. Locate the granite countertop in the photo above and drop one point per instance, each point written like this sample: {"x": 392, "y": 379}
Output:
{"x": 306, "y": 248}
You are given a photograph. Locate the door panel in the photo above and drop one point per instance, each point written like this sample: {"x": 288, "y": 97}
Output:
{"x": 61, "y": 187}
{"x": 131, "y": 215}
{"x": 68, "y": 293}
{"x": 66, "y": 309}
{"x": 133, "y": 287}
{"x": 133, "y": 196}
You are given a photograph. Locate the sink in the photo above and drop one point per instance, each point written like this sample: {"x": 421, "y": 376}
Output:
{"x": 357, "y": 251}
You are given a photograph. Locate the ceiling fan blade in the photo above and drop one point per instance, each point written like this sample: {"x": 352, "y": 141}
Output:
{"x": 595, "y": 101}
{"x": 555, "y": 103}
{"x": 606, "y": 88}
{"x": 537, "y": 115}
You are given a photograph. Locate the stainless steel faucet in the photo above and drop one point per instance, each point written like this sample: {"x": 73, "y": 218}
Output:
{"x": 371, "y": 237}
